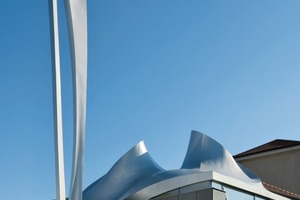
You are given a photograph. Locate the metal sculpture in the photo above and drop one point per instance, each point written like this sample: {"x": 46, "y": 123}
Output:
{"x": 77, "y": 27}
{"x": 58, "y": 131}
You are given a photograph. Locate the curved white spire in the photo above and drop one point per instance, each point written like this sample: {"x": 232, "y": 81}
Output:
{"x": 57, "y": 105}
{"x": 77, "y": 26}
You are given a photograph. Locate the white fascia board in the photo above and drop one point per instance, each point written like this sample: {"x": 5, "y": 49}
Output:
{"x": 182, "y": 181}
{"x": 255, "y": 188}
{"x": 170, "y": 184}
{"x": 267, "y": 153}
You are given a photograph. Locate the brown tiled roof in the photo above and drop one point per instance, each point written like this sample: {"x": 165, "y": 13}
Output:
{"x": 273, "y": 145}
{"x": 281, "y": 191}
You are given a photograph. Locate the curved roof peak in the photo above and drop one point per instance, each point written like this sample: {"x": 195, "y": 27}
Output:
{"x": 126, "y": 172}
{"x": 206, "y": 154}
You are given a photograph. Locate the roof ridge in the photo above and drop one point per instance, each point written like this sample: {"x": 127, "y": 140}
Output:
{"x": 269, "y": 146}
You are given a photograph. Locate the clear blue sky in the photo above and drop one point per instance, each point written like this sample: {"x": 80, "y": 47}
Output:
{"x": 157, "y": 70}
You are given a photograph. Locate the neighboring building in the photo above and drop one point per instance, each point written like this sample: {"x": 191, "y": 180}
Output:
{"x": 208, "y": 172}
{"x": 277, "y": 163}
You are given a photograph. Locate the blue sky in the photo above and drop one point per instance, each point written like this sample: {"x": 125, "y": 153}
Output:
{"x": 157, "y": 70}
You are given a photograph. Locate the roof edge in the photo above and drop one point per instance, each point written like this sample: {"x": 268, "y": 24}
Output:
{"x": 278, "y": 144}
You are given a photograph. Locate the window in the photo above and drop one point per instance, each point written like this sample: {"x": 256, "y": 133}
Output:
{"x": 233, "y": 194}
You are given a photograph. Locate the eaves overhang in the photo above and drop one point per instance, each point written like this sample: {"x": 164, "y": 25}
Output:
{"x": 267, "y": 153}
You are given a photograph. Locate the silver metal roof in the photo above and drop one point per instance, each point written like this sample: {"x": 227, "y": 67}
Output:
{"x": 136, "y": 176}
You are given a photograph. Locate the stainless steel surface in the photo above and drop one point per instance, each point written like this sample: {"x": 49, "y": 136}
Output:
{"x": 57, "y": 106}
{"x": 77, "y": 26}
{"x": 136, "y": 176}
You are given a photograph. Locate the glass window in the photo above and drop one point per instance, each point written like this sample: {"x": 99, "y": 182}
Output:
{"x": 232, "y": 194}
{"x": 217, "y": 186}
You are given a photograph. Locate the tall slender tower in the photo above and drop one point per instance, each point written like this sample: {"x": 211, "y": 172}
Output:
{"x": 77, "y": 26}
{"x": 57, "y": 106}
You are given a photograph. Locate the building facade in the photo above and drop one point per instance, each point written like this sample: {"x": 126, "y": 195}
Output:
{"x": 277, "y": 164}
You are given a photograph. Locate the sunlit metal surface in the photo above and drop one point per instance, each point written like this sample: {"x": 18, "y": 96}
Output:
{"x": 131, "y": 168}
{"x": 77, "y": 26}
{"x": 57, "y": 104}
{"x": 206, "y": 154}
{"x": 136, "y": 176}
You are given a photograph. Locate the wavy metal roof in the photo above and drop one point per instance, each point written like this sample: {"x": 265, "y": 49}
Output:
{"x": 137, "y": 176}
